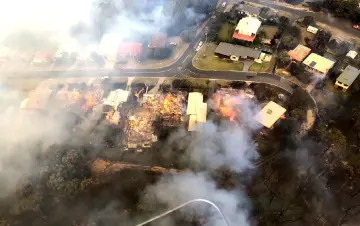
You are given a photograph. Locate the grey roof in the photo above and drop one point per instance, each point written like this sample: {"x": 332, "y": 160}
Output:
{"x": 349, "y": 75}
{"x": 236, "y": 50}
{"x": 249, "y": 9}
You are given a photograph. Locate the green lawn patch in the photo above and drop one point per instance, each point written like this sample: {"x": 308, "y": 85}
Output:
{"x": 256, "y": 67}
{"x": 226, "y": 32}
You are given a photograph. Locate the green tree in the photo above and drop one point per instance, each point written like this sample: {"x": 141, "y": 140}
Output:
{"x": 289, "y": 42}
{"x": 284, "y": 58}
{"x": 308, "y": 21}
{"x": 284, "y": 22}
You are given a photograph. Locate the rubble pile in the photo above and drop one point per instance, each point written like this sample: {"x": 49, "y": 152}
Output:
{"x": 139, "y": 130}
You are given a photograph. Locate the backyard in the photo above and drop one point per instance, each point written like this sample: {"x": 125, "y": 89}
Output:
{"x": 304, "y": 34}
{"x": 206, "y": 60}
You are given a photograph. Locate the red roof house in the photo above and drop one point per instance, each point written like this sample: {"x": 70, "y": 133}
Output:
{"x": 130, "y": 49}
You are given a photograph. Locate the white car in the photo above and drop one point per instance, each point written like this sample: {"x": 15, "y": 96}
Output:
{"x": 224, "y": 4}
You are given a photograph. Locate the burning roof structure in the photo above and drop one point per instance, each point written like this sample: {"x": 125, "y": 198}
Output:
{"x": 227, "y": 101}
{"x": 139, "y": 130}
{"x": 172, "y": 109}
{"x": 70, "y": 94}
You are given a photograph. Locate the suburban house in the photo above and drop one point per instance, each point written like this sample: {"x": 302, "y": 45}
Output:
{"x": 347, "y": 77}
{"x": 236, "y": 52}
{"x": 352, "y": 54}
{"x": 247, "y": 29}
{"x": 317, "y": 63}
{"x": 129, "y": 49}
{"x": 312, "y": 29}
{"x": 299, "y": 53}
{"x": 269, "y": 115}
{"x": 197, "y": 111}
{"x": 158, "y": 41}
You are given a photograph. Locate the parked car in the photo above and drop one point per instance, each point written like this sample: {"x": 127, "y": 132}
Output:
{"x": 199, "y": 46}
{"x": 356, "y": 26}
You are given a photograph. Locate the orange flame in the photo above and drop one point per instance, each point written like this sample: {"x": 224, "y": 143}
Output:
{"x": 226, "y": 104}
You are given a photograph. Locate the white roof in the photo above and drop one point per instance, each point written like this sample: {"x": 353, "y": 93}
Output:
{"x": 270, "y": 114}
{"x": 194, "y": 99}
{"x": 349, "y": 75}
{"x": 352, "y": 54}
{"x": 248, "y": 26}
{"x": 196, "y": 122}
{"x": 319, "y": 63}
{"x": 116, "y": 97}
{"x": 312, "y": 29}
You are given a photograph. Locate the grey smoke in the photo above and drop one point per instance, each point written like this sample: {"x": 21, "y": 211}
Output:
{"x": 230, "y": 145}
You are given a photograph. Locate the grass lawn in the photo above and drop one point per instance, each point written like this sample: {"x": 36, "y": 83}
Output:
{"x": 226, "y": 32}
{"x": 304, "y": 34}
{"x": 256, "y": 67}
{"x": 206, "y": 60}
{"x": 270, "y": 30}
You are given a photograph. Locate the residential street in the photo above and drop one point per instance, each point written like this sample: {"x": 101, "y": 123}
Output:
{"x": 183, "y": 66}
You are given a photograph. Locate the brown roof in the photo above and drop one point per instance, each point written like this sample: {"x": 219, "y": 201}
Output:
{"x": 299, "y": 53}
{"x": 158, "y": 41}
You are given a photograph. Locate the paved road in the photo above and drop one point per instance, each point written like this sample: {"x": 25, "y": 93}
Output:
{"x": 324, "y": 18}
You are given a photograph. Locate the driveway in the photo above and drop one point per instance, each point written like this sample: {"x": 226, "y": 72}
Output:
{"x": 247, "y": 64}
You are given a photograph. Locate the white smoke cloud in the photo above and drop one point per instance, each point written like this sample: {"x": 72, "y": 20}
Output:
{"x": 182, "y": 188}
{"x": 229, "y": 145}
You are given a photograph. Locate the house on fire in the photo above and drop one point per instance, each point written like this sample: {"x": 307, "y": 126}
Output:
{"x": 270, "y": 114}
{"x": 347, "y": 77}
{"x": 236, "y": 52}
{"x": 247, "y": 29}
{"x": 318, "y": 64}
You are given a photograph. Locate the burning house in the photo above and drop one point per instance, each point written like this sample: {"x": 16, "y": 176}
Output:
{"x": 226, "y": 102}
{"x": 70, "y": 95}
{"x": 172, "y": 109}
{"x": 139, "y": 129}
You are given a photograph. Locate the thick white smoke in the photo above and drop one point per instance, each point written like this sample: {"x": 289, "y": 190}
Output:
{"x": 229, "y": 145}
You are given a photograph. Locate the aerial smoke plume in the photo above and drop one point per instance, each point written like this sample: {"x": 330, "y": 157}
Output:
{"x": 227, "y": 145}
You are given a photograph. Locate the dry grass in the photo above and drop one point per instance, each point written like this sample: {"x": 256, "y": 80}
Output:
{"x": 269, "y": 30}
{"x": 206, "y": 60}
